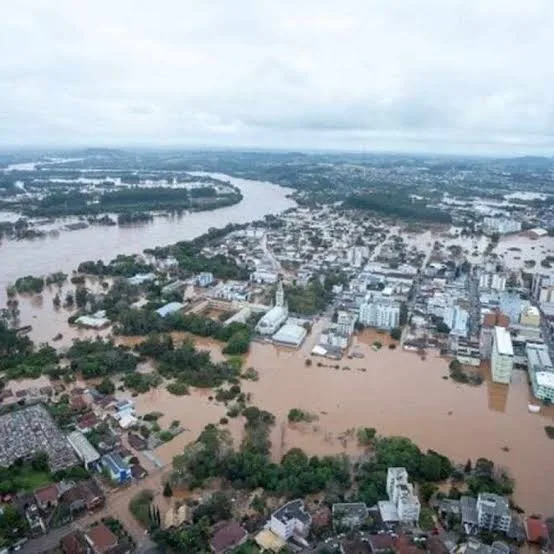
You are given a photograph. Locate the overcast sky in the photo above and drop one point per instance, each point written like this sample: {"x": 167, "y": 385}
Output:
{"x": 472, "y": 76}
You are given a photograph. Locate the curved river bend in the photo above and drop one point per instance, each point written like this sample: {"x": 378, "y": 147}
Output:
{"x": 65, "y": 251}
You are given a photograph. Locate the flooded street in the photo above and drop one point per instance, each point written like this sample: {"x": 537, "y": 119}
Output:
{"x": 398, "y": 394}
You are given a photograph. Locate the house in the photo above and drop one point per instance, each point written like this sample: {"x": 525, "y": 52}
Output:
{"x": 47, "y": 497}
{"x": 226, "y": 536}
{"x": 138, "y": 472}
{"x": 101, "y": 539}
{"x": 87, "y": 423}
{"x": 124, "y": 407}
{"x": 536, "y": 531}
{"x": 118, "y": 470}
{"x": 87, "y": 495}
{"x": 137, "y": 442}
{"x": 290, "y": 519}
{"x": 356, "y": 546}
{"x": 349, "y": 515}
{"x": 75, "y": 543}
{"x": 381, "y": 543}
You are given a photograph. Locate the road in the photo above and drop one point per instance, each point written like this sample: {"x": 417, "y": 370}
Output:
{"x": 117, "y": 506}
{"x": 379, "y": 246}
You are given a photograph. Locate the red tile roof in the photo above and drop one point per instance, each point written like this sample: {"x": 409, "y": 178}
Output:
{"x": 536, "y": 530}
{"x": 101, "y": 538}
{"x": 74, "y": 543}
{"x": 47, "y": 494}
{"x": 232, "y": 534}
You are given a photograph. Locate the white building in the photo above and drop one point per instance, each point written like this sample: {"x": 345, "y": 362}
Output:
{"x": 205, "y": 279}
{"x": 501, "y": 225}
{"x": 493, "y": 512}
{"x": 456, "y": 317}
{"x": 345, "y": 322}
{"x": 492, "y": 281}
{"x": 290, "y": 334}
{"x": 502, "y": 358}
{"x": 541, "y": 371}
{"x": 270, "y": 323}
{"x": 84, "y": 450}
{"x": 290, "y": 519}
{"x": 401, "y": 494}
{"x": 381, "y": 313}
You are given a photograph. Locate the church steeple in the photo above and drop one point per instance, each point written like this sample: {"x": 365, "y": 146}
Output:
{"x": 280, "y": 295}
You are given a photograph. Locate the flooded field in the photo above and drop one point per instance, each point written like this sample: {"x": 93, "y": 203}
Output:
{"x": 399, "y": 394}
{"x": 514, "y": 250}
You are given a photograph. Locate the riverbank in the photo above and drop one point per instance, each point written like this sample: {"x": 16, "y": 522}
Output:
{"x": 65, "y": 251}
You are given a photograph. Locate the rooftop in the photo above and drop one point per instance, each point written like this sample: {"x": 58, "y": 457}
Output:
{"x": 538, "y": 357}
{"x": 170, "y": 308}
{"x": 83, "y": 448}
{"x": 101, "y": 538}
{"x": 229, "y": 535}
{"x": 493, "y": 503}
{"x": 290, "y": 334}
{"x": 293, "y": 510}
{"x": 503, "y": 341}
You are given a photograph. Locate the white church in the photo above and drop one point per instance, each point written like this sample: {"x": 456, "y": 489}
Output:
{"x": 276, "y": 317}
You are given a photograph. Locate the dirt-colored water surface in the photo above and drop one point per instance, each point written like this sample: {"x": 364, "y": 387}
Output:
{"x": 399, "y": 394}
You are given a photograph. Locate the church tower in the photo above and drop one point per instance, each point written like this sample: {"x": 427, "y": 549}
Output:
{"x": 280, "y": 295}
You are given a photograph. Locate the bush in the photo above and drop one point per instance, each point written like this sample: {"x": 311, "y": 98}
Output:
{"x": 139, "y": 506}
{"x": 168, "y": 491}
{"x": 297, "y": 415}
{"x": 396, "y": 333}
{"x": 178, "y": 388}
{"x": 366, "y": 435}
{"x": 165, "y": 436}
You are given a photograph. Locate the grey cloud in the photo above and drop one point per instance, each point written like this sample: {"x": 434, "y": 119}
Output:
{"x": 317, "y": 73}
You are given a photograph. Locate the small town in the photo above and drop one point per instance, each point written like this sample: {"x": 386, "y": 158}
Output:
{"x": 90, "y": 429}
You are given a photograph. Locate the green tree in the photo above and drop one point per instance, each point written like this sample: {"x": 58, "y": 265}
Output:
{"x": 396, "y": 333}
{"x": 106, "y": 386}
{"x": 168, "y": 491}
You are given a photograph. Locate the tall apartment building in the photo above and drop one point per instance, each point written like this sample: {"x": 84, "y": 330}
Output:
{"x": 493, "y": 512}
{"x": 345, "y": 322}
{"x": 541, "y": 371}
{"x": 490, "y": 321}
{"x": 401, "y": 494}
{"x": 492, "y": 281}
{"x": 502, "y": 358}
{"x": 383, "y": 314}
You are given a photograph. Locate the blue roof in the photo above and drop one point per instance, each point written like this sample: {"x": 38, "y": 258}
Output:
{"x": 115, "y": 462}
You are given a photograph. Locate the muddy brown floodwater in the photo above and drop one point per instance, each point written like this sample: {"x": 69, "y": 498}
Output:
{"x": 399, "y": 394}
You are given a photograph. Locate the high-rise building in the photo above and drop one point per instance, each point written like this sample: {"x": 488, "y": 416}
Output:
{"x": 383, "y": 314}
{"x": 541, "y": 371}
{"x": 401, "y": 494}
{"x": 490, "y": 321}
{"x": 502, "y": 359}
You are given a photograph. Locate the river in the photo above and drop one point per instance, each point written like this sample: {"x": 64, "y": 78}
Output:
{"x": 66, "y": 250}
